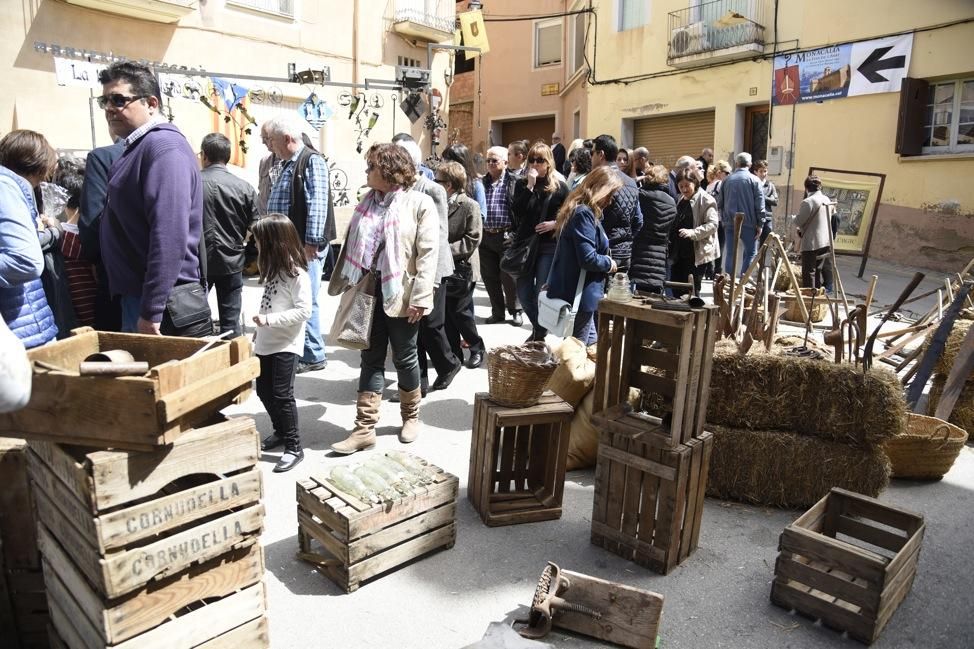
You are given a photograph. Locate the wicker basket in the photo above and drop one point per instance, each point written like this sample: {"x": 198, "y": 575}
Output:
{"x": 794, "y": 312}
{"x": 927, "y": 449}
{"x": 517, "y": 374}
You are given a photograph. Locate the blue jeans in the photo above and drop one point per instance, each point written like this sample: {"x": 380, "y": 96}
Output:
{"x": 584, "y": 327}
{"x": 528, "y": 287}
{"x": 314, "y": 341}
{"x": 749, "y": 237}
{"x": 131, "y": 307}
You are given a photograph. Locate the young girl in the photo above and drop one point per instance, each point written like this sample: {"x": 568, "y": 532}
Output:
{"x": 284, "y": 309}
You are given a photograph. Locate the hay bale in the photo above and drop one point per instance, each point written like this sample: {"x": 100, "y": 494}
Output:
{"x": 779, "y": 469}
{"x": 814, "y": 398}
{"x": 963, "y": 414}
{"x": 952, "y": 348}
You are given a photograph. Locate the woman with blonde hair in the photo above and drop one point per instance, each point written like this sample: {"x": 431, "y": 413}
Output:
{"x": 584, "y": 246}
{"x": 538, "y": 195}
{"x": 394, "y": 233}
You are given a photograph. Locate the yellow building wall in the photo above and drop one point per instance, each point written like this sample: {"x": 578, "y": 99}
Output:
{"x": 856, "y": 133}
{"x": 220, "y": 38}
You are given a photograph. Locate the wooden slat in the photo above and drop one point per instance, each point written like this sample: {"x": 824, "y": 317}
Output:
{"x": 185, "y": 400}
{"x": 441, "y": 537}
{"x": 654, "y": 553}
{"x": 848, "y": 558}
{"x": 862, "y": 530}
{"x": 682, "y": 383}
{"x": 616, "y": 387}
{"x": 816, "y": 575}
{"x": 658, "y": 358}
{"x": 668, "y": 388}
{"x": 626, "y": 458}
{"x": 706, "y": 370}
{"x": 616, "y": 487}
{"x": 672, "y": 508}
{"x": 600, "y": 385}
{"x": 250, "y": 635}
{"x": 395, "y": 534}
{"x": 630, "y": 616}
{"x": 642, "y": 311}
{"x": 903, "y": 556}
{"x": 791, "y": 597}
{"x": 707, "y": 440}
{"x": 859, "y": 505}
{"x": 685, "y": 541}
{"x": 337, "y": 547}
{"x": 314, "y": 506}
{"x": 18, "y": 541}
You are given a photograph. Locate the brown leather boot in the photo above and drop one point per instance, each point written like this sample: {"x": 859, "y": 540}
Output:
{"x": 366, "y": 417}
{"x": 409, "y": 408}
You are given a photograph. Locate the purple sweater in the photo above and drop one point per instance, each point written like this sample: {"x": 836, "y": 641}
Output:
{"x": 153, "y": 217}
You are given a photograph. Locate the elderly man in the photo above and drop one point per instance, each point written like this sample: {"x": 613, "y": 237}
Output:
{"x": 499, "y": 191}
{"x": 640, "y": 163}
{"x": 301, "y": 192}
{"x": 683, "y": 162}
{"x": 229, "y": 211}
{"x": 706, "y": 159}
{"x": 741, "y": 192}
{"x": 558, "y": 151}
{"x": 623, "y": 218}
{"x": 150, "y": 232}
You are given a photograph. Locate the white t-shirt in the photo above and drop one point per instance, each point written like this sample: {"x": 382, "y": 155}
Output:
{"x": 287, "y": 304}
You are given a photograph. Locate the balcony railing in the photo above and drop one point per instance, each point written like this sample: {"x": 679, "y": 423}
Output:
{"x": 431, "y": 20}
{"x": 714, "y": 31}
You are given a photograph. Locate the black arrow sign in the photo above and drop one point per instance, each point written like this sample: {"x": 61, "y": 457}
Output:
{"x": 874, "y": 63}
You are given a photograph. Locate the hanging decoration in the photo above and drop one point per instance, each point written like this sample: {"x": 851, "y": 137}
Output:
{"x": 315, "y": 111}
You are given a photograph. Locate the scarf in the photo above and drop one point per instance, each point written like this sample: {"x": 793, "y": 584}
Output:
{"x": 375, "y": 220}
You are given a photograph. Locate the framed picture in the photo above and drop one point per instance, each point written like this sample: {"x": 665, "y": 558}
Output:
{"x": 855, "y": 196}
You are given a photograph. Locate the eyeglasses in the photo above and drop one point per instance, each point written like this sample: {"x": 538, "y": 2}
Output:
{"x": 441, "y": 181}
{"x": 536, "y": 161}
{"x": 116, "y": 100}
{"x": 494, "y": 161}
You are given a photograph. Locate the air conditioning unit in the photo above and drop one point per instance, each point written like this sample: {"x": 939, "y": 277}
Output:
{"x": 689, "y": 40}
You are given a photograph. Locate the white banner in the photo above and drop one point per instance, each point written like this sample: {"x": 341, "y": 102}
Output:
{"x": 880, "y": 65}
{"x": 74, "y": 72}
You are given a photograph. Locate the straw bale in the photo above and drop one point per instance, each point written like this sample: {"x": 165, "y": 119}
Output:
{"x": 780, "y": 469}
{"x": 815, "y": 398}
{"x": 963, "y": 414}
{"x": 952, "y": 348}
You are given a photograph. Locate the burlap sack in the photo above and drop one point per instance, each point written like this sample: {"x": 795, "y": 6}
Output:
{"x": 575, "y": 373}
{"x": 583, "y": 446}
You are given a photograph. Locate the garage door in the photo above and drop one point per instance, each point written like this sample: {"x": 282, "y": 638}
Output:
{"x": 528, "y": 129}
{"x": 671, "y": 136}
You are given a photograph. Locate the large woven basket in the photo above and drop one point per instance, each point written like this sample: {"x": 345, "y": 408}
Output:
{"x": 927, "y": 449}
{"x": 517, "y": 374}
{"x": 818, "y": 311}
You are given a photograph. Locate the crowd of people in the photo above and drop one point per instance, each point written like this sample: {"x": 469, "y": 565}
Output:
{"x": 133, "y": 239}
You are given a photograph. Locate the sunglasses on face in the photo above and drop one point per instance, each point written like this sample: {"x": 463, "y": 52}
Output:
{"x": 116, "y": 100}
{"x": 536, "y": 161}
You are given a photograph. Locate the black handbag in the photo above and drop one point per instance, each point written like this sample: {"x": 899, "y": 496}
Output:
{"x": 187, "y": 312}
{"x": 458, "y": 284}
{"x": 518, "y": 258}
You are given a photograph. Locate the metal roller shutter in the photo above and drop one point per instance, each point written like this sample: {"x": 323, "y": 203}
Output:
{"x": 671, "y": 136}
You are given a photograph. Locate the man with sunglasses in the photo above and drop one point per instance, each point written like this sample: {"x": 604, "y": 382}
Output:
{"x": 151, "y": 226}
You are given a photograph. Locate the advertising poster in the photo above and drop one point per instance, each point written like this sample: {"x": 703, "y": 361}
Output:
{"x": 855, "y": 204}
{"x": 839, "y": 71}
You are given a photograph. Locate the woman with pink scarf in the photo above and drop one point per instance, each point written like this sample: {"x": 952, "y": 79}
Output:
{"x": 394, "y": 230}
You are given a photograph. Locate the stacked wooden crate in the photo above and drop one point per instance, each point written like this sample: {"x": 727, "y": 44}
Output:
{"x": 651, "y": 475}
{"x": 23, "y": 606}
{"x": 351, "y": 541}
{"x": 148, "y": 502}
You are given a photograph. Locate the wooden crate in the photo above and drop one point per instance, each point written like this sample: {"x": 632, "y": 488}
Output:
{"x": 666, "y": 355}
{"x": 848, "y": 561}
{"x": 149, "y": 614}
{"x": 649, "y": 500}
{"x": 23, "y": 610}
{"x": 18, "y": 541}
{"x": 129, "y": 518}
{"x": 134, "y": 413}
{"x": 361, "y": 540}
{"x": 517, "y": 460}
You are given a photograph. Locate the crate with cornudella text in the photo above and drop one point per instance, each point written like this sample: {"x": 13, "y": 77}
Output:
{"x": 157, "y": 548}
{"x": 350, "y": 540}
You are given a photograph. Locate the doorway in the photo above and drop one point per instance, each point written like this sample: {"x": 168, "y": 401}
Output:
{"x": 756, "y": 120}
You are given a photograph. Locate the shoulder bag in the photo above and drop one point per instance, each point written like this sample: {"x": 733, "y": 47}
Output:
{"x": 352, "y": 327}
{"x": 518, "y": 258}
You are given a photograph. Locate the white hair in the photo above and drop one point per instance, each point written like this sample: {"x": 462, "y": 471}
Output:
{"x": 412, "y": 149}
{"x": 743, "y": 159}
{"x": 286, "y": 124}
{"x": 641, "y": 152}
{"x": 685, "y": 161}
{"x": 499, "y": 151}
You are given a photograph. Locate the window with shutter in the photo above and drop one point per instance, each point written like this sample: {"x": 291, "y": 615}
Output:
{"x": 935, "y": 117}
{"x": 547, "y": 43}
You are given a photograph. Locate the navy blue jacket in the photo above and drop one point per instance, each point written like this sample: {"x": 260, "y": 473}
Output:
{"x": 582, "y": 244}
{"x": 98, "y": 164}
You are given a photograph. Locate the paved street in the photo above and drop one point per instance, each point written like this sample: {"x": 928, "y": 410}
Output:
{"x": 718, "y": 598}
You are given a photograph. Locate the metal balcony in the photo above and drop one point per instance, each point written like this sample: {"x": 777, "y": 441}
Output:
{"x": 160, "y": 11}
{"x": 716, "y": 31}
{"x": 427, "y": 20}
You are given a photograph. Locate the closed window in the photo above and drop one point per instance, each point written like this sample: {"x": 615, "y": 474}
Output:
{"x": 936, "y": 117}
{"x": 577, "y": 43}
{"x": 632, "y": 14}
{"x": 547, "y": 43}
{"x": 279, "y": 7}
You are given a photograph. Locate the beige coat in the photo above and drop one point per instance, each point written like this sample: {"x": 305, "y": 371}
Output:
{"x": 705, "y": 224}
{"x": 419, "y": 240}
{"x": 813, "y": 221}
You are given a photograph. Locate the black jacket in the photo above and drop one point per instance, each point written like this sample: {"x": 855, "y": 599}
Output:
{"x": 98, "y": 166}
{"x": 527, "y": 211}
{"x": 648, "y": 266}
{"x": 229, "y": 210}
{"x": 622, "y": 220}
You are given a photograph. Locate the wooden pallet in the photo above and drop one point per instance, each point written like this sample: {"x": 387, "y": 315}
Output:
{"x": 849, "y": 561}
{"x": 649, "y": 500}
{"x": 666, "y": 355}
{"x": 517, "y": 460}
{"x": 135, "y": 413}
{"x": 130, "y": 518}
{"x": 128, "y": 618}
{"x": 359, "y": 540}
